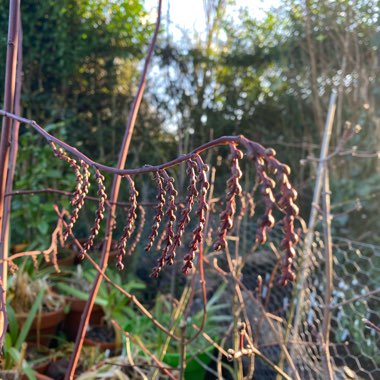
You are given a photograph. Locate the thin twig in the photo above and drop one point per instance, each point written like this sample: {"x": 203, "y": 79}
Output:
{"x": 70, "y": 194}
{"x": 224, "y": 140}
{"x": 353, "y": 299}
{"x": 371, "y": 325}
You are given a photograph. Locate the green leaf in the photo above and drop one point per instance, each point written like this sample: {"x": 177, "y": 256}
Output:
{"x": 134, "y": 285}
{"x": 43, "y": 227}
{"x": 28, "y": 371}
{"x": 29, "y": 320}
{"x": 7, "y": 346}
{"x": 12, "y": 323}
{"x": 80, "y": 294}
{"x": 14, "y": 354}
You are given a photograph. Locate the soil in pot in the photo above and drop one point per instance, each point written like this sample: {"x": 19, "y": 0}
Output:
{"x": 103, "y": 337}
{"x": 38, "y": 357}
{"x": 58, "y": 368}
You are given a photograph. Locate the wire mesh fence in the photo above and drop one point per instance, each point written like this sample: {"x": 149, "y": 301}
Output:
{"x": 354, "y": 344}
{"x": 354, "y": 340}
{"x": 270, "y": 308}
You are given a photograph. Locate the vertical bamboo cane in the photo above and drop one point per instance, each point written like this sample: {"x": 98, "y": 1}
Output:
{"x": 5, "y": 144}
{"x": 304, "y": 271}
{"x": 325, "y": 334}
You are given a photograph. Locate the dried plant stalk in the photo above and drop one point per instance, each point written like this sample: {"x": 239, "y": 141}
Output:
{"x": 233, "y": 189}
{"x": 203, "y": 186}
{"x": 192, "y": 193}
{"x": 130, "y": 225}
{"x": 159, "y": 210}
{"x": 98, "y": 216}
{"x": 170, "y": 214}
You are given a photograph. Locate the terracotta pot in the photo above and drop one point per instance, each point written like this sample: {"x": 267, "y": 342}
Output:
{"x": 73, "y": 318}
{"x": 44, "y": 326}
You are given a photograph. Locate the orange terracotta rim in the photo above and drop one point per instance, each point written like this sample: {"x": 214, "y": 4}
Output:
{"x": 45, "y": 319}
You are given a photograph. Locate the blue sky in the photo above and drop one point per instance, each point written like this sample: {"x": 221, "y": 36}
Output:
{"x": 189, "y": 14}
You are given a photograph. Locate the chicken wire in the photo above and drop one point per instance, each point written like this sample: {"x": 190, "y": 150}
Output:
{"x": 354, "y": 347}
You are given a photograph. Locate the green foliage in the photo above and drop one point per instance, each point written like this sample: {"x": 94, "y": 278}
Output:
{"x": 33, "y": 216}
{"x": 80, "y": 62}
{"x": 114, "y": 303}
{"x": 140, "y": 325}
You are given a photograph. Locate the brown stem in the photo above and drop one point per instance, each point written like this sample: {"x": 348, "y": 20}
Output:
{"x": 111, "y": 212}
{"x": 70, "y": 194}
{"x": 5, "y": 145}
{"x": 224, "y": 140}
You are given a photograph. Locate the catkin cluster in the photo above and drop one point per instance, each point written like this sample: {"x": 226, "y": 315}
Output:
{"x": 272, "y": 182}
{"x": 159, "y": 210}
{"x": 192, "y": 193}
{"x": 203, "y": 186}
{"x": 233, "y": 189}
{"x": 171, "y": 217}
{"x": 82, "y": 176}
{"x": 266, "y": 165}
{"x": 99, "y": 215}
{"x": 130, "y": 223}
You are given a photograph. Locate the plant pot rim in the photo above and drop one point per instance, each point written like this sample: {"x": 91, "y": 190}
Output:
{"x": 101, "y": 344}
{"x": 47, "y": 319}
